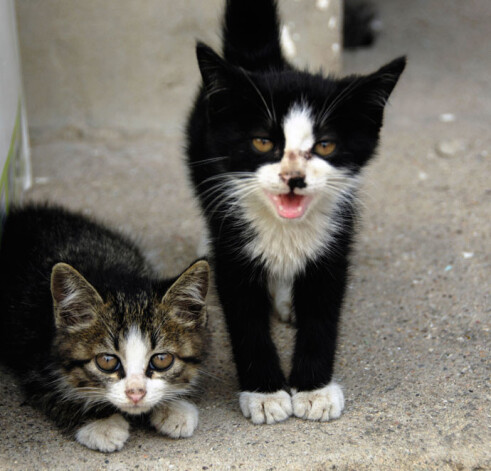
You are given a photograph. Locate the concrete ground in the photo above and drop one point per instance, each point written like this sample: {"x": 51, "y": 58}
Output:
{"x": 414, "y": 352}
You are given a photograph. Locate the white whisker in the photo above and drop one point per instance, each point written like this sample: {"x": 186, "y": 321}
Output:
{"x": 208, "y": 161}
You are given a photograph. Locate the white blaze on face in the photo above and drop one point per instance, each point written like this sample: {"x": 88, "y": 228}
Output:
{"x": 134, "y": 355}
{"x": 136, "y": 359}
{"x": 290, "y": 202}
{"x": 298, "y": 128}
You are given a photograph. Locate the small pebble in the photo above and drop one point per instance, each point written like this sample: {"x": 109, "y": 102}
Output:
{"x": 447, "y": 117}
{"x": 423, "y": 176}
{"x": 451, "y": 148}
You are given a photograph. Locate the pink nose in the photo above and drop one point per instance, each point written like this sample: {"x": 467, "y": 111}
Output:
{"x": 136, "y": 395}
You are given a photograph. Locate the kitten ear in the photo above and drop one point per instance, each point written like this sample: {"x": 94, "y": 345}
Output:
{"x": 185, "y": 299}
{"x": 74, "y": 299}
{"x": 213, "y": 68}
{"x": 386, "y": 77}
{"x": 367, "y": 96}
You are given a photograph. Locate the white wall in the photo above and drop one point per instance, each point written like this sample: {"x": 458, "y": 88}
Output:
{"x": 130, "y": 65}
{"x": 13, "y": 137}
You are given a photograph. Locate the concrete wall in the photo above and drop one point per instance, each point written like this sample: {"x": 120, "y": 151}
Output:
{"x": 14, "y": 151}
{"x": 130, "y": 65}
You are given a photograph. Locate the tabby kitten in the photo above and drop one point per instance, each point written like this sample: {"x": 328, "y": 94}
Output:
{"x": 94, "y": 337}
{"x": 276, "y": 155}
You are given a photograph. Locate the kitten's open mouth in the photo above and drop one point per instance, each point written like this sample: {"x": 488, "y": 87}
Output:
{"x": 290, "y": 205}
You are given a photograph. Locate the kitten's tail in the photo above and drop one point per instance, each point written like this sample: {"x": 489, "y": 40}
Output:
{"x": 251, "y": 35}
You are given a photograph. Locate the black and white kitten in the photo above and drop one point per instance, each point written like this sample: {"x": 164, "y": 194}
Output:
{"x": 275, "y": 155}
{"x": 92, "y": 335}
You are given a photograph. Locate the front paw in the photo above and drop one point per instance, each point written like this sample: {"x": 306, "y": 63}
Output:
{"x": 320, "y": 404}
{"x": 104, "y": 434}
{"x": 178, "y": 419}
{"x": 266, "y": 407}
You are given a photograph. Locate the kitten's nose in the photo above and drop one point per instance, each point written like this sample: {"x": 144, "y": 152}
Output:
{"x": 136, "y": 394}
{"x": 296, "y": 182}
{"x": 293, "y": 168}
{"x": 293, "y": 179}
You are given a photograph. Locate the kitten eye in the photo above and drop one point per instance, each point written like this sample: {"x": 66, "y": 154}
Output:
{"x": 107, "y": 363}
{"x": 161, "y": 361}
{"x": 325, "y": 148}
{"x": 262, "y": 145}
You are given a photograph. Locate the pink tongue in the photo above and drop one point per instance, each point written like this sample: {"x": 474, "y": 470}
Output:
{"x": 290, "y": 206}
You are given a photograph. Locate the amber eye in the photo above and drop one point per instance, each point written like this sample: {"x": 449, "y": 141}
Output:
{"x": 324, "y": 148}
{"x": 262, "y": 145}
{"x": 107, "y": 363}
{"x": 161, "y": 361}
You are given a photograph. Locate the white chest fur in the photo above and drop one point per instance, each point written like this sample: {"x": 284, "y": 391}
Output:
{"x": 285, "y": 246}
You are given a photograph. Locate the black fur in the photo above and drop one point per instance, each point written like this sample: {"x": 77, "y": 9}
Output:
{"x": 229, "y": 111}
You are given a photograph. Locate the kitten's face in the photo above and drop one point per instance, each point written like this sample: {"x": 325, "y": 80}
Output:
{"x": 289, "y": 141}
{"x": 133, "y": 352}
{"x": 296, "y": 171}
{"x": 131, "y": 371}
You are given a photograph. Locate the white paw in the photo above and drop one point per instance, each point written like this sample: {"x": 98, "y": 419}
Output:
{"x": 177, "y": 419}
{"x": 104, "y": 434}
{"x": 320, "y": 404}
{"x": 266, "y": 407}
